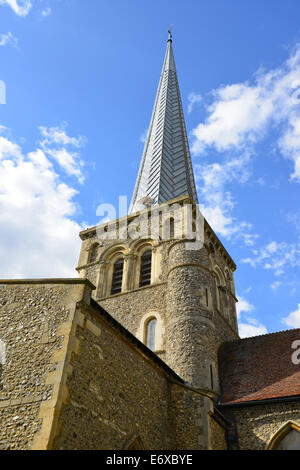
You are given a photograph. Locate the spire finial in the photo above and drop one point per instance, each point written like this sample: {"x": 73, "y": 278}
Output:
{"x": 170, "y": 34}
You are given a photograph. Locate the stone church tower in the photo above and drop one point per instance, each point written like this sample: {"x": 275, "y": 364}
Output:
{"x": 142, "y": 350}
{"x": 175, "y": 296}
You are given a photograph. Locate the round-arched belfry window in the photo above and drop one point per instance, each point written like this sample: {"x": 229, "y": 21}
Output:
{"x": 116, "y": 285}
{"x": 145, "y": 271}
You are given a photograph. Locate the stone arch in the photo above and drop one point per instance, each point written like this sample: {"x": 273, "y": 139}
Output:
{"x": 219, "y": 272}
{"x": 220, "y": 282}
{"x": 135, "y": 443}
{"x": 136, "y": 246}
{"x": 137, "y": 250}
{"x": 107, "y": 262}
{"x": 159, "y": 330}
{"x": 282, "y": 433}
{"x": 229, "y": 278}
{"x": 210, "y": 256}
{"x": 112, "y": 251}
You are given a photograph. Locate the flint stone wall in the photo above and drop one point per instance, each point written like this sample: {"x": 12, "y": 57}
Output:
{"x": 118, "y": 393}
{"x": 257, "y": 424}
{"x": 30, "y": 313}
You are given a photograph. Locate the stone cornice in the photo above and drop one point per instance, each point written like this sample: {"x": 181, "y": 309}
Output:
{"x": 47, "y": 281}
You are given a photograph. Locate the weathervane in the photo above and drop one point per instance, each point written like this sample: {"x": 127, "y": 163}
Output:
{"x": 170, "y": 33}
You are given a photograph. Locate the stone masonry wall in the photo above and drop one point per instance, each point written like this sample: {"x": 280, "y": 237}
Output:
{"x": 31, "y": 314}
{"x": 257, "y": 424}
{"x": 130, "y": 306}
{"x": 188, "y": 419}
{"x": 71, "y": 380}
{"x": 217, "y": 436}
{"x": 115, "y": 394}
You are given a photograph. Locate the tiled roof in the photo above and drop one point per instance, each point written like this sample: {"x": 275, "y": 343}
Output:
{"x": 259, "y": 368}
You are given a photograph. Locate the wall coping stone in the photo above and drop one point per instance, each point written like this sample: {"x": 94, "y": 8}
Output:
{"x": 48, "y": 281}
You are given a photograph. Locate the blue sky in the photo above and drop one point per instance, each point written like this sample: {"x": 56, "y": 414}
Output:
{"x": 81, "y": 78}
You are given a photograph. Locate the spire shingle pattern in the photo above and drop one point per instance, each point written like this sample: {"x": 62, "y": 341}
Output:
{"x": 166, "y": 169}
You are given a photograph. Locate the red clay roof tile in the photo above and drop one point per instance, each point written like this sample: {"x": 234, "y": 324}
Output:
{"x": 259, "y": 368}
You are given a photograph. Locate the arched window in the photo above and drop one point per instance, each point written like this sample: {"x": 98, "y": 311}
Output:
{"x": 220, "y": 282}
{"x": 116, "y": 285}
{"x": 94, "y": 253}
{"x": 150, "y": 334}
{"x": 136, "y": 444}
{"x": 290, "y": 442}
{"x": 229, "y": 279}
{"x": 172, "y": 228}
{"x": 286, "y": 438}
{"x": 145, "y": 272}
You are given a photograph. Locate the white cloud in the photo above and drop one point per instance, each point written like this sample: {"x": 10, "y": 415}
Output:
{"x": 294, "y": 218}
{"x": 235, "y": 116}
{"x": 293, "y": 319}
{"x": 47, "y": 11}
{"x": 276, "y": 257}
{"x": 274, "y": 286}
{"x": 193, "y": 98}
{"x": 8, "y": 39}
{"x": 58, "y": 145}
{"x": 20, "y": 7}
{"x": 143, "y": 136}
{"x": 39, "y": 237}
{"x": 249, "y": 326}
{"x": 57, "y": 135}
{"x": 218, "y": 204}
{"x": 243, "y": 306}
{"x": 246, "y": 330}
{"x": 241, "y": 114}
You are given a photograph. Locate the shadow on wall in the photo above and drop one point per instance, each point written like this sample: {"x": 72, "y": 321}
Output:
{"x": 2, "y": 360}
{"x": 4, "y": 445}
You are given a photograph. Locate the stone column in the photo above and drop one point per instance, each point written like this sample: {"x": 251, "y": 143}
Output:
{"x": 128, "y": 273}
{"x": 101, "y": 283}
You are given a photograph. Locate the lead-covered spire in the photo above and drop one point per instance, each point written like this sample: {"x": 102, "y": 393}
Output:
{"x": 166, "y": 169}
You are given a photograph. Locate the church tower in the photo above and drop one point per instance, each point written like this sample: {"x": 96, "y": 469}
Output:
{"x": 167, "y": 285}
